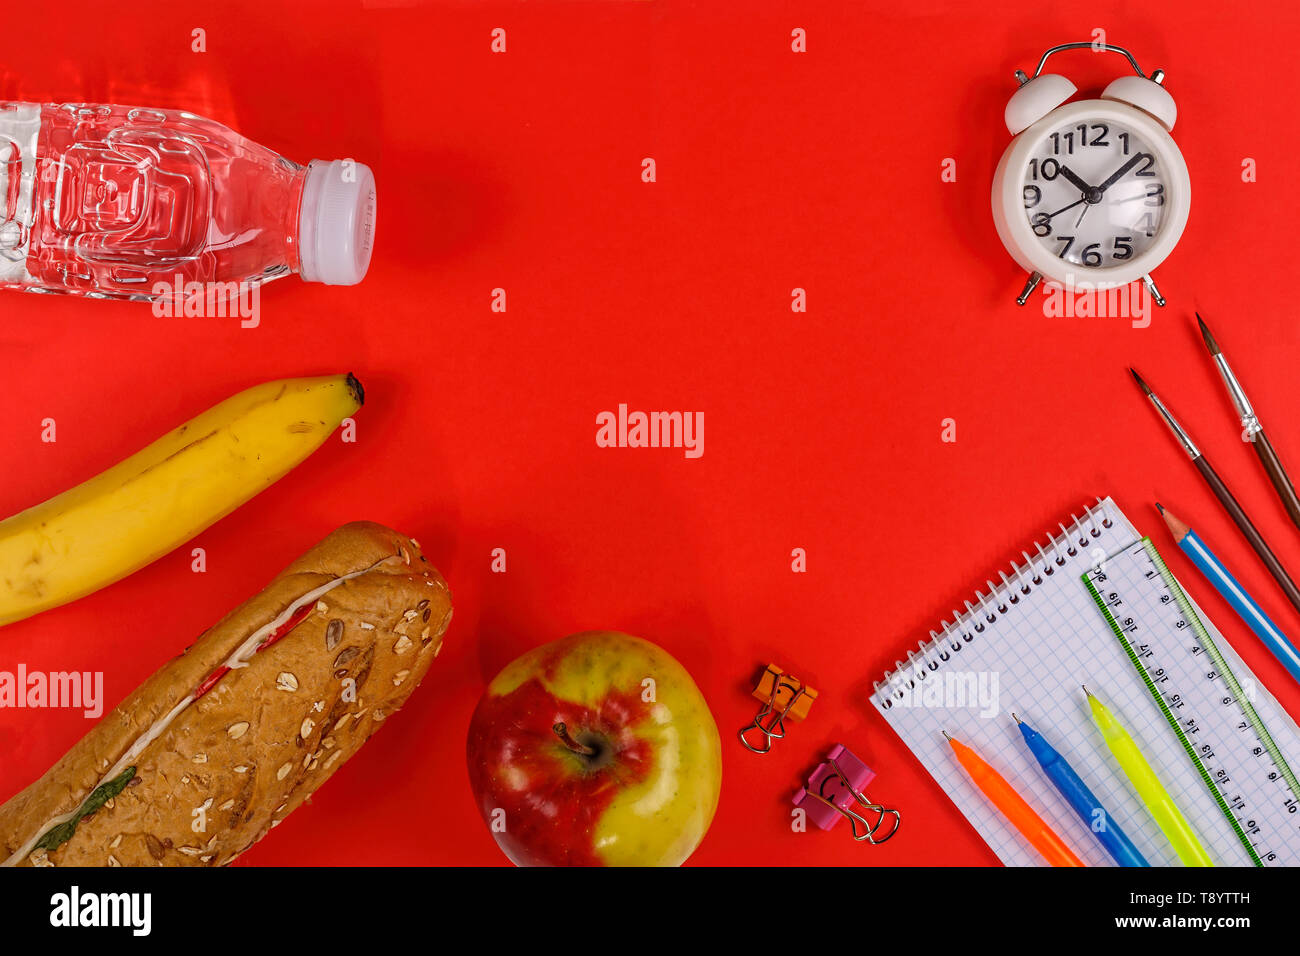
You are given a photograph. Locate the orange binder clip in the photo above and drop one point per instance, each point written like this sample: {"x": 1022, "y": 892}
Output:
{"x": 783, "y": 696}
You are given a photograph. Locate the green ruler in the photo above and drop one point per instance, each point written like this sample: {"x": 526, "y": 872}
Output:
{"x": 1210, "y": 710}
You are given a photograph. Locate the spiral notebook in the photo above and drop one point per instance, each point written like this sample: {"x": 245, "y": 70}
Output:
{"x": 1025, "y": 645}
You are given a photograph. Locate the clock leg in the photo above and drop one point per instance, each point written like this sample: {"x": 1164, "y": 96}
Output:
{"x": 1034, "y": 279}
{"x": 1155, "y": 293}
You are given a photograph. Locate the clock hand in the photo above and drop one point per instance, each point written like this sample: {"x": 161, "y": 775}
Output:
{"x": 1069, "y": 174}
{"x": 1047, "y": 217}
{"x": 1118, "y": 174}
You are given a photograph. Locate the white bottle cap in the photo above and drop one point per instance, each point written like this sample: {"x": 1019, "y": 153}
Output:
{"x": 336, "y": 227}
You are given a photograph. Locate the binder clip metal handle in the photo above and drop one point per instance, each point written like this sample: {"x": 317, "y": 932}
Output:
{"x": 783, "y": 696}
{"x": 870, "y": 830}
{"x": 834, "y": 790}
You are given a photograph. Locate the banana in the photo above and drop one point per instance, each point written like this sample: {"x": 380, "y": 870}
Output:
{"x": 143, "y": 507}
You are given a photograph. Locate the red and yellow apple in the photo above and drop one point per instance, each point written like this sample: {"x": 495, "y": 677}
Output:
{"x": 597, "y": 749}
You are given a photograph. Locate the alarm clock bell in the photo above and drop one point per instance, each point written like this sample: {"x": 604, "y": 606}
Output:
{"x": 1146, "y": 94}
{"x": 1035, "y": 99}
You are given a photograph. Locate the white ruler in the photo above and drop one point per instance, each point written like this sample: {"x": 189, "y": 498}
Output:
{"x": 1233, "y": 731}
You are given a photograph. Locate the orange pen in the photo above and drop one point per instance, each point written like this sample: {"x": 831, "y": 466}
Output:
{"x": 1022, "y": 816}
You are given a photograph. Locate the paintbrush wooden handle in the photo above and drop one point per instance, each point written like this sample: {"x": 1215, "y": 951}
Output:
{"x": 1252, "y": 534}
{"x": 1277, "y": 474}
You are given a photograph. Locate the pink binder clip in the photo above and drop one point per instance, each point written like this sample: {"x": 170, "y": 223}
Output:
{"x": 835, "y": 787}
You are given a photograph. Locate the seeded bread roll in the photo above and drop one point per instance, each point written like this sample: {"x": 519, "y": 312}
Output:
{"x": 223, "y": 742}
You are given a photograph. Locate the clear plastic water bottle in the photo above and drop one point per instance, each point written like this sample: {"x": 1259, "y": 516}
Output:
{"x": 123, "y": 202}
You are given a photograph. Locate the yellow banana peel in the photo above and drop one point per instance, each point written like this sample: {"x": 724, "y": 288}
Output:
{"x": 151, "y": 503}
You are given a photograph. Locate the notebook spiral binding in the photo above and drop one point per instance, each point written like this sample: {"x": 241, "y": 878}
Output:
{"x": 967, "y": 626}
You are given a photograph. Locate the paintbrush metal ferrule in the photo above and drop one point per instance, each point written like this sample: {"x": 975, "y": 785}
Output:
{"x": 1180, "y": 433}
{"x": 1246, "y": 411}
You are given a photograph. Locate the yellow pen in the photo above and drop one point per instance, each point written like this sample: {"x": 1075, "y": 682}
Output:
{"x": 1159, "y": 804}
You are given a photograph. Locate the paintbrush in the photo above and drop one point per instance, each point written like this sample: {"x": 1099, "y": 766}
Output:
{"x": 1253, "y": 431}
{"x": 1230, "y": 505}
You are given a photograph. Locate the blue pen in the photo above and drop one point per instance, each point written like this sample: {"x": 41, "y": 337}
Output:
{"x": 1080, "y": 798}
{"x": 1233, "y": 593}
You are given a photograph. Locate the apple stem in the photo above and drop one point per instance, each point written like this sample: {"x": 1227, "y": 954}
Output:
{"x": 562, "y": 732}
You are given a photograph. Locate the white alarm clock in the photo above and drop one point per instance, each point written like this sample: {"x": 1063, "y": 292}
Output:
{"x": 1091, "y": 194}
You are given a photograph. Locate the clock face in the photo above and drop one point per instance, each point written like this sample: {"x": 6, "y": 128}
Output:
{"x": 1094, "y": 193}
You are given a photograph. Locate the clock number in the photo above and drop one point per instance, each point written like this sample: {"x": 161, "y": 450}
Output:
{"x": 1033, "y": 196}
{"x": 1069, "y": 143}
{"x": 1098, "y": 139}
{"x": 1147, "y": 224}
{"x": 1091, "y": 257}
{"x": 1155, "y": 194}
{"x": 1069, "y": 241}
{"x": 1123, "y": 247}
{"x": 1147, "y": 168}
{"x": 1050, "y": 168}
{"x": 1042, "y": 224}
{"x": 1123, "y": 138}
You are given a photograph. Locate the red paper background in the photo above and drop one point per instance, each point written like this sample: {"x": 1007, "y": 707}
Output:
{"x": 775, "y": 171}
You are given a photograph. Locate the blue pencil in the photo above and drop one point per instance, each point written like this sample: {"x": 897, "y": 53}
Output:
{"x": 1234, "y": 593}
{"x": 1080, "y": 798}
